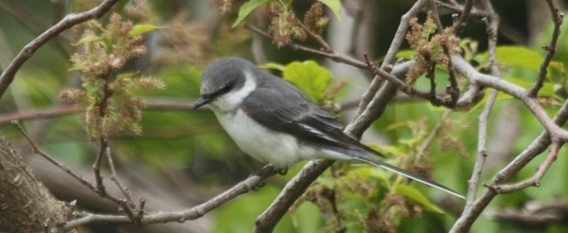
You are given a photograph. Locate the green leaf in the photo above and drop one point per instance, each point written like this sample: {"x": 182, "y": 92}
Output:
{"x": 334, "y": 5}
{"x": 557, "y": 66}
{"x": 362, "y": 172}
{"x": 87, "y": 39}
{"x": 517, "y": 56}
{"x": 142, "y": 28}
{"x": 247, "y": 8}
{"x": 500, "y": 96}
{"x": 310, "y": 77}
{"x": 416, "y": 196}
{"x": 303, "y": 218}
{"x": 327, "y": 181}
{"x": 272, "y": 66}
{"x": 546, "y": 90}
{"x": 406, "y": 54}
{"x": 77, "y": 66}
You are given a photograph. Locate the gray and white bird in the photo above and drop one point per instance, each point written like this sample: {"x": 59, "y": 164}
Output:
{"x": 275, "y": 123}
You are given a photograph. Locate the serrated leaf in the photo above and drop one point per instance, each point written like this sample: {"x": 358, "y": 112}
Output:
{"x": 142, "y": 28}
{"x": 310, "y": 77}
{"x": 334, "y": 5}
{"x": 86, "y": 39}
{"x": 417, "y": 196}
{"x": 247, "y": 8}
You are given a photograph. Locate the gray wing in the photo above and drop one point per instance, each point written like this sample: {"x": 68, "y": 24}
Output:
{"x": 287, "y": 110}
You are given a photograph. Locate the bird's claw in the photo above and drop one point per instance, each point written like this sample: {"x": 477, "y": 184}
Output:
{"x": 263, "y": 173}
{"x": 283, "y": 171}
{"x": 259, "y": 185}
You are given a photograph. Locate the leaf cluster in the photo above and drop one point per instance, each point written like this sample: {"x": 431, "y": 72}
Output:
{"x": 429, "y": 46}
{"x": 284, "y": 24}
{"x": 110, "y": 107}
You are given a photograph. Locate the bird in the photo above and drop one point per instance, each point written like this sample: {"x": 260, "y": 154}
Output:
{"x": 275, "y": 123}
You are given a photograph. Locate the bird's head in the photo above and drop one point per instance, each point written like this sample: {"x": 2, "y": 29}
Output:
{"x": 225, "y": 84}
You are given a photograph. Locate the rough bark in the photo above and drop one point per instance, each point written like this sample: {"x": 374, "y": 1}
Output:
{"x": 26, "y": 205}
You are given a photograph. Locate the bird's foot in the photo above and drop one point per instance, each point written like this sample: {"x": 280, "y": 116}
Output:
{"x": 282, "y": 171}
{"x": 263, "y": 173}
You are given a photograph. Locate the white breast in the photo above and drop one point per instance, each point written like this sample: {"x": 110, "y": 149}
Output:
{"x": 265, "y": 145}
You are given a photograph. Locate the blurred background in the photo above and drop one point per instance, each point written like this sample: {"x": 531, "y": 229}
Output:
{"x": 183, "y": 157}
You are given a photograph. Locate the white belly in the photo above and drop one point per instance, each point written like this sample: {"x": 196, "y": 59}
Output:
{"x": 265, "y": 145}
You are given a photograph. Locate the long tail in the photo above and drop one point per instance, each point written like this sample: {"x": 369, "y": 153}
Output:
{"x": 408, "y": 174}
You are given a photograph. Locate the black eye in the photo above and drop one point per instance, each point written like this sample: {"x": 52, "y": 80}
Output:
{"x": 227, "y": 88}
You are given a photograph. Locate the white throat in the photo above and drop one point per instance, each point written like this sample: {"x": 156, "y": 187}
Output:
{"x": 233, "y": 99}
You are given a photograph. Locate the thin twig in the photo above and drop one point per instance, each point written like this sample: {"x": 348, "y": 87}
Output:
{"x": 435, "y": 131}
{"x": 391, "y": 53}
{"x": 100, "y": 187}
{"x": 69, "y": 21}
{"x": 551, "y": 48}
{"x": 60, "y": 110}
{"x": 473, "y": 182}
{"x": 379, "y": 103}
{"x": 471, "y": 94}
{"x": 535, "y": 179}
{"x": 453, "y": 89}
{"x": 456, "y": 8}
{"x": 317, "y": 38}
{"x": 97, "y": 167}
{"x": 52, "y": 160}
{"x": 333, "y": 56}
{"x": 492, "y": 24}
{"x": 462, "y": 22}
{"x": 115, "y": 179}
{"x": 407, "y": 89}
{"x": 432, "y": 76}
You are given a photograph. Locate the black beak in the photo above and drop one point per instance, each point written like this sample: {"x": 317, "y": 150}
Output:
{"x": 203, "y": 100}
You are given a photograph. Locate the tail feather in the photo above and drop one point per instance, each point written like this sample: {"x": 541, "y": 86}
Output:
{"x": 409, "y": 175}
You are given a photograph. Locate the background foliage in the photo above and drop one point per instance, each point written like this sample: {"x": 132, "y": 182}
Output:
{"x": 177, "y": 145}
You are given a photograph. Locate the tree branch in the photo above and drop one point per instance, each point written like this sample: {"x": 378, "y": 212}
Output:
{"x": 391, "y": 54}
{"x": 534, "y": 180}
{"x": 462, "y": 22}
{"x": 69, "y": 21}
{"x": 492, "y": 24}
{"x": 98, "y": 188}
{"x": 60, "y": 110}
{"x": 516, "y": 91}
{"x": 163, "y": 217}
{"x": 469, "y": 215}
